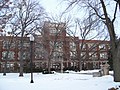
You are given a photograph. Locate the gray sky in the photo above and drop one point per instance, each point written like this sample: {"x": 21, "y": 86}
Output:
{"x": 54, "y": 7}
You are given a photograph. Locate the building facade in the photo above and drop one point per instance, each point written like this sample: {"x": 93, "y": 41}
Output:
{"x": 55, "y": 49}
{"x": 94, "y": 53}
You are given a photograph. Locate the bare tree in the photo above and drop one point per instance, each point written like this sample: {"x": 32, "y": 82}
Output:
{"x": 4, "y": 13}
{"x": 118, "y": 1}
{"x": 8, "y": 44}
{"x": 4, "y": 19}
{"x": 51, "y": 41}
{"x": 28, "y": 15}
{"x": 4, "y": 4}
{"x": 86, "y": 29}
{"x": 99, "y": 9}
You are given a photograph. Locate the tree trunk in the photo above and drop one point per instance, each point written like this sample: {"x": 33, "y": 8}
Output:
{"x": 49, "y": 65}
{"x": 116, "y": 63}
{"x": 5, "y": 68}
{"x": 115, "y": 44}
{"x": 115, "y": 47}
{"x": 21, "y": 56}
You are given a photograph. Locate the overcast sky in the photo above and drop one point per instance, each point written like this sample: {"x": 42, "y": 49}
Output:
{"x": 54, "y": 7}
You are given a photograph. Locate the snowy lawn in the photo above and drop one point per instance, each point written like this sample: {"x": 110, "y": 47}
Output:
{"x": 57, "y": 81}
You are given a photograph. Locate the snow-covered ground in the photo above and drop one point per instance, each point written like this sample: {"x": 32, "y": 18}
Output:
{"x": 57, "y": 81}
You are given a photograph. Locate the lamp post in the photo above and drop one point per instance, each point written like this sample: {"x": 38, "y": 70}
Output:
{"x": 31, "y": 57}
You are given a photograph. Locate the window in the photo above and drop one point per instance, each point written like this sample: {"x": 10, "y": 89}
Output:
{"x": 73, "y": 54}
{"x": 83, "y": 55}
{"x": 103, "y": 55}
{"x": 10, "y": 55}
{"x": 108, "y": 46}
{"x": 54, "y": 31}
{"x": 90, "y": 45}
{"x": 56, "y": 45}
{"x": 83, "y": 46}
{"x": 25, "y": 55}
{"x": 72, "y": 46}
{"x": 102, "y": 46}
{"x": 8, "y": 44}
{"x": 39, "y": 53}
{"x": 26, "y": 44}
{"x": 57, "y": 56}
{"x": 93, "y": 55}
{"x": 9, "y": 65}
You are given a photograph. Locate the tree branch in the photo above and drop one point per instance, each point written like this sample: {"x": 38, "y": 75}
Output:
{"x": 115, "y": 13}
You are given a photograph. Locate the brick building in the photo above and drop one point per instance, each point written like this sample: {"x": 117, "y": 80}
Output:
{"x": 94, "y": 53}
{"x": 54, "y": 47}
